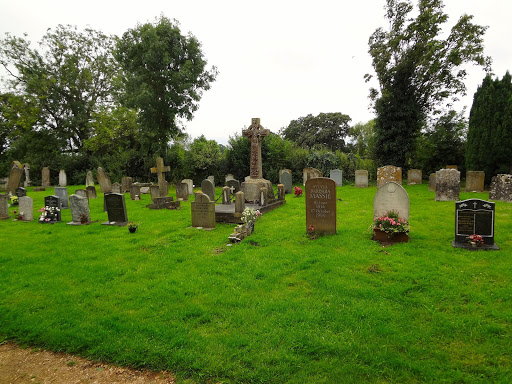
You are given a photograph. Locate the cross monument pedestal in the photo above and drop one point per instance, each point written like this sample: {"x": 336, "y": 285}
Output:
{"x": 252, "y": 186}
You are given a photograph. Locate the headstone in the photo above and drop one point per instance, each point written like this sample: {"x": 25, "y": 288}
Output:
{"x": 337, "y": 176}
{"x": 321, "y": 205}
{"x": 391, "y": 197}
{"x": 414, "y": 176}
{"x": 452, "y": 167}
{"x": 286, "y": 179}
{"x": 284, "y": 170}
{"x": 155, "y": 192}
{"x": 182, "y": 191}
{"x": 226, "y": 195}
{"x": 501, "y": 188}
{"x": 26, "y": 208}
{"x": 281, "y": 192}
{"x": 234, "y": 186}
{"x": 239, "y": 202}
{"x": 28, "y": 182}
{"x": 160, "y": 169}
{"x": 126, "y": 183}
{"x": 212, "y": 179}
{"x": 89, "y": 179}
{"x": 80, "y": 213}
{"x": 116, "y": 209}
{"x": 190, "y": 184}
{"x": 432, "y": 182}
{"x": 45, "y": 177}
{"x": 229, "y": 176}
{"x": 81, "y": 193}
{"x": 208, "y": 189}
{"x": 3, "y": 183}
{"x": 134, "y": 191}
{"x": 361, "y": 178}
{"x": 310, "y": 173}
{"x": 117, "y": 188}
{"x": 165, "y": 202}
{"x": 4, "y": 207}
{"x": 447, "y": 185}
{"x": 203, "y": 211}
{"x": 474, "y": 217}
{"x": 63, "y": 180}
{"x": 389, "y": 173}
{"x": 103, "y": 181}
{"x": 62, "y": 194}
{"x": 53, "y": 202}
{"x": 91, "y": 192}
{"x": 14, "y": 177}
{"x": 20, "y": 192}
{"x": 475, "y": 181}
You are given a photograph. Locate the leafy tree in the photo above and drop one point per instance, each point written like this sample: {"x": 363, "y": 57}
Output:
{"x": 327, "y": 129}
{"x": 490, "y": 128}
{"x": 418, "y": 72}
{"x": 238, "y": 156}
{"x": 364, "y": 139}
{"x": 164, "y": 77}
{"x": 67, "y": 81}
{"x": 203, "y": 158}
{"x": 323, "y": 160}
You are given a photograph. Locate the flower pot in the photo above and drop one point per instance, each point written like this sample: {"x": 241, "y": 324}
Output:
{"x": 383, "y": 237}
{"x": 132, "y": 230}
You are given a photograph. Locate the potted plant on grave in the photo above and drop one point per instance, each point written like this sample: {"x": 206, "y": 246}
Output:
{"x": 297, "y": 191}
{"x": 132, "y": 226}
{"x": 391, "y": 228}
{"x": 249, "y": 217}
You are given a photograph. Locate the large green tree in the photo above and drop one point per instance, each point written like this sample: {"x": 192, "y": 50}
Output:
{"x": 164, "y": 76}
{"x": 66, "y": 80}
{"x": 418, "y": 71}
{"x": 327, "y": 129}
{"x": 489, "y": 141}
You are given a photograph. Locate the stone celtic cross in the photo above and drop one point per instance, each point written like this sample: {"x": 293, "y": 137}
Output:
{"x": 255, "y": 133}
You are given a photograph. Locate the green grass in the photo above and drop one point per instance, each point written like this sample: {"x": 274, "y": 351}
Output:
{"x": 277, "y": 308}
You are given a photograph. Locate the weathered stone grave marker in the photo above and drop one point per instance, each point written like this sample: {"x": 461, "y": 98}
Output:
{"x": 432, "y": 182}
{"x": 321, "y": 205}
{"x": 126, "y": 183}
{"x": 391, "y": 197}
{"x": 337, "y": 176}
{"x": 361, "y": 178}
{"x": 80, "y": 213}
{"x": 389, "y": 173}
{"x": 63, "y": 180}
{"x": 103, "y": 181}
{"x": 27, "y": 182}
{"x": 14, "y": 177}
{"x": 475, "y": 181}
{"x": 160, "y": 170}
{"x": 134, "y": 191}
{"x": 4, "y": 207}
{"x": 474, "y": 217}
{"x": 501, "y": 188}
{"x": 89, "y": 179}
{"x": 182, "y": 191}
{"x": 447, "y": 185}
{"x": 26, "y": 208}
{"x": 310, "y": 173}
{"x": 91, "y": 192}
{"x": 414, "y": 176}
{"x": 285, "y": 178}
{"x": 203, "y": 211}
{"x": 117, "y": 188}
{"x": 190, "y": 184}
{"x": 208, "y": 189}
{"x": 62, "y": 194}
{"x": 45, "y": 177}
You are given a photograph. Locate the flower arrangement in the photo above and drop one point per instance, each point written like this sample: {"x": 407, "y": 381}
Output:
{"x": 475, "y": 240}
{"x": 84, "y": 219}
{"x": 250, "y": 215}
{"x": 18, "y": 216}
{"x": 297, "y": 191}
{"x": 14, "y": 200}
{"x": 132, "y": 226}
{"x": 311, "y": 232}
{"x": 391, "y": 223}
{"x": 49, "y": 214}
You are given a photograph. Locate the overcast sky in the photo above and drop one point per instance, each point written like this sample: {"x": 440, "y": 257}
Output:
{"x": 277, "y": 60}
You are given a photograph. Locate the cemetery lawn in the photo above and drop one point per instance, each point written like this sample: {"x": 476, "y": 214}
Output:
{"x": 277, "y": 308}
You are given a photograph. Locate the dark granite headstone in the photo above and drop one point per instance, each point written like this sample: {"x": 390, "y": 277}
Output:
{"x": 474, "y": 217}
{"x": 52, "y": 202}
{"x": 321, "y": 205}
{"x": 20, "y": 192}
{"x": 116, "y": 209}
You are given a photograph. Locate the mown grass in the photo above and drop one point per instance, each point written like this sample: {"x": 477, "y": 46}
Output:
{"x": 277, "y": 308}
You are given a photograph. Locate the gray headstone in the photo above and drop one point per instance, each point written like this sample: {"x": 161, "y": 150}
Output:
{"x": 337, "y": 176}
{"x": 62, "y": 194}
{"x": 26, "y": 208}
{"x": 414, "y": 176}
{"x": 155, "y": 192}
{"x": 190, "y": 184}
{"x": 203, "y": 211}
{"x": 126, "y": 183}
{"x": 229, "y": 176}
{"x": 63, "y": 180}
{"x": 501, "y": 188}
{"x": 116, "y": 209}
{"x": 182, "y": 191}
{"x": 239, "y": 202}
{"x": 361, "y": 178}
{"x": 286, "y": 180}
{"x": 4, "y": 207}
{"x": 474, "y": 217}
{"x": 432, "y": 182}
{"x": 91, "y": 192}
{"x": 89, "y": 179}
{"x": 45, "y": 177}
{"x": 117, "y": 188}
{"x": 79, "y": 206}
{"x": 321, "y": 205}
{"x": 391, "y": 197}
{"x": 208, "y": 189}
{"x": 103, "y": 181}
{"x": 81, "y": 193}
{"x": 475, "y": 181}
{"x": 134, "y": 191}
{"x": 212, "y": 179}
{"x": 447, "y": 185}
{"x": 54, "y": 203}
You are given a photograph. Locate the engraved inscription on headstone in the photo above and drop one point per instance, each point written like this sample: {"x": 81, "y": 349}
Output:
{"x": 321, "y": 205}
{"x": 474, "y": 217}
{"x": 203, "y": 211}
{"x": 116, "y": 209}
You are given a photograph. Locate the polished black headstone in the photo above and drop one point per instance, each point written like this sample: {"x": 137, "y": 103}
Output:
{"x": 474, "y": 217}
